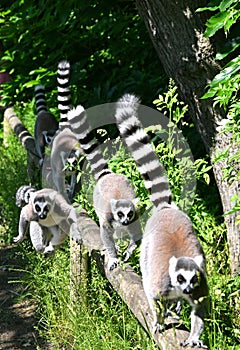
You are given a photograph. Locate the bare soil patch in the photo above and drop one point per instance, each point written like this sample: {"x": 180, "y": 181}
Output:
{"x": 17, "y": 317}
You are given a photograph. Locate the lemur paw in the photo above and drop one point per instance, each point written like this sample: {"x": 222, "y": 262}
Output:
{"x": 113, "y": 263}
{"x": 18, "y": 239}
{"x": 193, "y": 343}
{"x": 48, "y": 252}
{"x": 129, "y": 252}
{"x": 158, "y": 328}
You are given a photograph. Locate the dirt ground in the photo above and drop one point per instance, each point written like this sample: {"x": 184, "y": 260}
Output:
{"x": 17, "y": 319}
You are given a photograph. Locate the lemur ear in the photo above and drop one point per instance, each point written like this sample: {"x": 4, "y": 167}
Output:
{"x": 172, "y": 264}
{"x": 31, "y": 196}
{"x": 199, "y": 261}
{"x": 113, "y": 203}
{"x": 135, "y": 201}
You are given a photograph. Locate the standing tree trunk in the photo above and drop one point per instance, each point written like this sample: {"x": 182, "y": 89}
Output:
{"x": 187, "y": 56}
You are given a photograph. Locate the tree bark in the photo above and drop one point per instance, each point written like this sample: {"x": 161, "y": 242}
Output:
{"x": 177, "y": 33}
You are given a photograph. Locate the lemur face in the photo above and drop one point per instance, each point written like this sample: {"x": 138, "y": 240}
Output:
{"x": 72, "y": 160}
{"x": 184, "y": 274}
{"x": 41, "y": 207}
{"x": 123, "y": 211}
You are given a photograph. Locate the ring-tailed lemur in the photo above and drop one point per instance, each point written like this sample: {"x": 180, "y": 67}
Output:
{"x": 45, "y": 126}
{"x": 40, "y": 236}
{"x": 65, "y": 148}
{"x": 51, "y": 220}
{"x": 172, "y": 260}
{"x": 113, "y": 198}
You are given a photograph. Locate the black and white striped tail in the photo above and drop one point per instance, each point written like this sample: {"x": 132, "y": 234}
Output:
{"x": 23, "y": 195}
{"x": 40, "y": 98}
{"x": 64, "y": 94}
{"x": 141, "y": 149}
{"x": 79, "y": 125}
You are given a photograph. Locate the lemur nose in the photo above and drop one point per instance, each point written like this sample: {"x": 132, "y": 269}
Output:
{"x": 187, "y": 290}
{"x": 42, "y": 216}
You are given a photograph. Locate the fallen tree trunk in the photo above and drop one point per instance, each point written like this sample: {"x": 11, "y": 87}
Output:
{"x": 129, "y": 286}
{"x": 123, "y": 279}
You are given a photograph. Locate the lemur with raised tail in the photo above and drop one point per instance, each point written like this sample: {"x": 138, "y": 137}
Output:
{"x": 50, "y": 219}
{"x": 65, "y": 148}
{"x": 45, "y": 126}
{"x": 113, "y": 198}
{"x": 172, "y": 261}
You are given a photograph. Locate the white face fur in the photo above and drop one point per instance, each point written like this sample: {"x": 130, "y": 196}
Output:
{"x": 185, "y": 274}
{"x": 41, "y": 206}
{"x": 123, "y": 210}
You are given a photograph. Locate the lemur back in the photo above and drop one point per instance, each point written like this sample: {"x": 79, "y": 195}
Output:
{"x": 171, "y": 259}
{"x": 113, "y": 198}
{"x": 65, "y": 148}
{"x": 46, "y": 125}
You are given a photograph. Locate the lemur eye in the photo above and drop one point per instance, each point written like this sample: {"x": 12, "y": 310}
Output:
{"x": 194, "y": 279}
{"x": 37, "y": 208}
{"x": 130, "y": 214}
{"x": 46, "y": 209}
{"x": 120, "y": 214}
{"x": 180, "y": 279}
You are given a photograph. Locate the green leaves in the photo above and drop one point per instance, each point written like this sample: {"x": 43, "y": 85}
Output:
{"x": 91, "y": 37}
{"x": 227, "y": 15}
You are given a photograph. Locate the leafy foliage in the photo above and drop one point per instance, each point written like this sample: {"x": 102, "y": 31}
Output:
{"x": 91, "y": 35}
{"x": 224, "y": 88}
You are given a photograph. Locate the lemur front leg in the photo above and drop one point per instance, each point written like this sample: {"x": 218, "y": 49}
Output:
{"x": 37, "y": 235}
{"x": 135, "y": 234}
{"x": 26, "y": 216}
{"x": 106, "y": 234}
{"x": 158, "y": 306}
{"x": 197, "y": 325}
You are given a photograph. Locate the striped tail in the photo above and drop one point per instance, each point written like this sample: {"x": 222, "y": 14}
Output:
{"x": 79, "y": 125}
{"x": 40, "y": 98}
{"x": 64, "y": 94}
{"x": 141, "y": 149}
{"x": 23, "y": 195}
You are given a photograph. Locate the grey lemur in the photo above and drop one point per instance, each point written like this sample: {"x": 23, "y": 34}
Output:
{"x": 171, "y": 260}
{"x": 51, "y": 220}
{"x": 65, "y": 149}
{"x": 113, "y": 198}
{"x": 45, "y": 126}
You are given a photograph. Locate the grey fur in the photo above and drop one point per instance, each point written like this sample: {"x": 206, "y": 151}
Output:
{"x": 169, "y": 244}
{"x": 65, "y": 148}
{"x": 51, "y": 220}
{"x": 46, "y": 125}
{"x": 113, "y": 195}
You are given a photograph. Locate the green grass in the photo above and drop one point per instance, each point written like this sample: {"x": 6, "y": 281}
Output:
{"x": 106, "y": 322}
